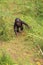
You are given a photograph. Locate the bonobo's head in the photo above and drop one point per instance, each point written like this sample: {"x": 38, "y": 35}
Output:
{"x": 18, "y": 21}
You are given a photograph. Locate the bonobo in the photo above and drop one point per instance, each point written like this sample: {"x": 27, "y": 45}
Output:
{"x": 18, "y": 25}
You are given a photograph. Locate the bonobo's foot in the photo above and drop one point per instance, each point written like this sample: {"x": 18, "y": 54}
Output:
{"x": 20, "y": 31}
{"x": 17, "y": 33}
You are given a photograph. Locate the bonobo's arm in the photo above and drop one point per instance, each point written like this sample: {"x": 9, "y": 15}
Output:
{"x": 25, "y": 24}
{"x": 15, "y": 29}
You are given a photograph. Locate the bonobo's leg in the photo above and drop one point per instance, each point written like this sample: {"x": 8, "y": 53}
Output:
{"x": 21, "y": 28}
{"x": 17, "y": 29}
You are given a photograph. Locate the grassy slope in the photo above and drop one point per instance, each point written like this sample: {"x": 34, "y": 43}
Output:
{"x": 22, "y": 49}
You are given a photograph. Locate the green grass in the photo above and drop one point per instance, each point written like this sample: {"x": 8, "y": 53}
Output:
{"x": 5, "y": 59}
{"x": 32, "y": 13}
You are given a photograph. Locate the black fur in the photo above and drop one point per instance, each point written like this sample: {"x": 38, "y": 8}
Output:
{"x": 18, "y": 25}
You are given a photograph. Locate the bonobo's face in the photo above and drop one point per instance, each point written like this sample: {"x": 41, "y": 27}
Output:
{"x": 18, "y": 22}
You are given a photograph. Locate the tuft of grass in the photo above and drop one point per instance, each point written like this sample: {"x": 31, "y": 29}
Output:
{"x": 30, "y": 11}
{"x": 5, "y": 59}
{"x": 5, "y": 30}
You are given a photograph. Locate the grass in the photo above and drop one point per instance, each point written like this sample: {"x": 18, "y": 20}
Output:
{"x": 5, "y": 59}
{"x": 23, "y": 49}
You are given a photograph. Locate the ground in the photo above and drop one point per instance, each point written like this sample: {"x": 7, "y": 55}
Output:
{"x": 23, "y": 49}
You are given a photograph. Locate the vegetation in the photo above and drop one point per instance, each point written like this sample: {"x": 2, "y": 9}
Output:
{"x": 5, "y": 59}
{"x": 31, "y": 11}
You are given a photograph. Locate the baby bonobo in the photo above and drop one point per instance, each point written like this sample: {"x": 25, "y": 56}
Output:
{"x": 18, "y": 25}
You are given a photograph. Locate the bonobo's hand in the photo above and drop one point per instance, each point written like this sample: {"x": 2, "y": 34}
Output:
{"x": 30, "y": 27}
